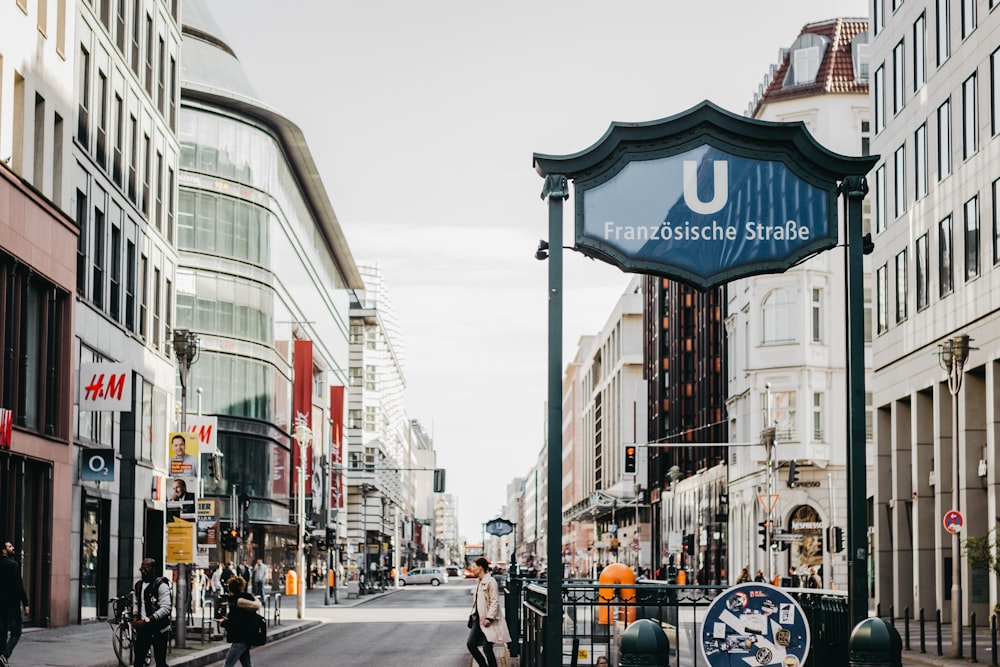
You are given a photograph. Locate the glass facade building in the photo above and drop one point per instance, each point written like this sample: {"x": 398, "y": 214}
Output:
{"x": 262, "y": 263}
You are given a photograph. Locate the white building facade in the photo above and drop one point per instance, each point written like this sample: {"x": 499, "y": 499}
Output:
{"x": 936, "y": 120}
{"x": 787, "y": 337}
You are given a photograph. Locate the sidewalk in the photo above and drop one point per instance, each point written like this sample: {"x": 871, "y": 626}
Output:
{"x": 89, "y": 644}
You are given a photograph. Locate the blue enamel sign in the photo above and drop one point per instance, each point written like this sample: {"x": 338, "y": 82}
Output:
{"x": 706, "y": 196}
{"x": 755, "y": 624}
{"x": 708, "y": 214}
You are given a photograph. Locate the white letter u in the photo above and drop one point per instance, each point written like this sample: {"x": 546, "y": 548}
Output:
{"x": 721, "y": 187}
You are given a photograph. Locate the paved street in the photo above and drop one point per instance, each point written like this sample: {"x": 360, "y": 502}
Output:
{"x": 416, "y": 626}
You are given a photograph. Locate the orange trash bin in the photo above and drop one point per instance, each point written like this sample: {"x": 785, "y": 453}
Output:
{"x": 291, "y": 583}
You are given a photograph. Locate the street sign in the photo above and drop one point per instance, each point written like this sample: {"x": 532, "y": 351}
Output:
{"x": 787, "y": 537}
{"x": 768, "y": 501}
{"x": 953, "y": 521}
{"x": 499, "y": 527}
{"x": 755, "y": 624}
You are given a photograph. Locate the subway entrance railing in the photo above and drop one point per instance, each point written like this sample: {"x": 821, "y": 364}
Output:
{"x": 595, "y": 615}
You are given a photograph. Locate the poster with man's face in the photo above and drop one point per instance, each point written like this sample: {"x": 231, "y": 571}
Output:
{"x": 183, "y": 455}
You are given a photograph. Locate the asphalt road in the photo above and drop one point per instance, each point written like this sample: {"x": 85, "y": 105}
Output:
{"x": 414, "y": 627}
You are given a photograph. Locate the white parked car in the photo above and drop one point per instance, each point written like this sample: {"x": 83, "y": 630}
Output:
{"x": 435, "y": 576}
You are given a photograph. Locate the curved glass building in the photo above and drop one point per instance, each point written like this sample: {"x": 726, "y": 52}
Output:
{"x": 262, "y": 263}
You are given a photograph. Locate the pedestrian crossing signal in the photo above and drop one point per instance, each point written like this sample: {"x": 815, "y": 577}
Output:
{"x": 629, "y": 459}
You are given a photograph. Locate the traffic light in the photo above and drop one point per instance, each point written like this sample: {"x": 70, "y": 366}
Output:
{"x": 231, "y": 540}
{"x": 629, "y": 459}
{"x": 439, "y": 480}
{"x": 793, "y": 474}
{"x": 331, "y": 535}
{"x": 763, "y": 527}
{"x": 834, "y": 539}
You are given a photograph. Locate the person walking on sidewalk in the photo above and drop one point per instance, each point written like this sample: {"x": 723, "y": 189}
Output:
{"x": 152, "y": 614}
{"x": 487, "y": 626}
{"x": 239, "y": 622}
{"x": 12, "y": 596}
{"x": 260, "y": 577}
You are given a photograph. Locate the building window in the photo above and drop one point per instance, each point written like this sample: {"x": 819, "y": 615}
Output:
{"x": 868, "y": 314}
{"x": 971, "y": 219}
{"x": 354, "y": 418}
{"x": 143, "y": 295}
{"x": 371, "y": 377}
{"x": 968, "y": 17}
{"x": 99, "y": 257}
{"x": 901, "y": 286}
{"x": 944, "y": 257}
{"x": 944, "y": 140}
{"x": 783, "y": 412}
{"x": 866, "y": 137}
{"x": 994, "y": 92}
{"x": 878, "y": 15}
{"x": 919, "y": 55}
{"x": 370, "y": 419}
{"x": 778, "y": 317}
{"x": 114, "y": 300}
{"x": 996, "y": 221}
{"x": 970, "y": 117}
{"x": 357, "y": 334}
{"x": 943, "y": 32}
{"x": 35, "y": 315}
{"x": 880, "y": 207}
{"x": 356, "y": 376}
{"x": 157, "y": 308}
{"x": 899, "y": 183}
{"x": 869, "y": 416}
{"x": 817, "y": 315}
{"x": 920, "y": 161}
{"x": 898, "y": 78}
{"x": 805, "y": 64}
{"x": 130, "y": 285}
{"x": 83, "y": 112}
{"x": 922, "y": 257}
{"x": 862, "y": 60}
{"x": 817, "y": 434}
{"x": 879, "y": 99}
{"x": 882, "y": 297}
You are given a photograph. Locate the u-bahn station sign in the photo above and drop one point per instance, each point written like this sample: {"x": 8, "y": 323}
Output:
{"x": 706, "y": 196}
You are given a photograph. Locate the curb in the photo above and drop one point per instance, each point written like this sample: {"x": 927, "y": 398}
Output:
{"x": 215, "y": 654}
{"x": 211, "y": 655}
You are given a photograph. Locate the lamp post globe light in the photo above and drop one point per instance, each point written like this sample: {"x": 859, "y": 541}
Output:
{"x": 186, "y": 346}
{"x": 303, "y": 436}
{"x": 954, "y": 352}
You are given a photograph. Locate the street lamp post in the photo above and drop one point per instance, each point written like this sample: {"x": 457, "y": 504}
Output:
{"x": 954, "y": 354}
{"x": 186, "y": 349}
{"x": 303, "y": 436}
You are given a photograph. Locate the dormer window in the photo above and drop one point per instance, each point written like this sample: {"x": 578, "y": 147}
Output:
{"x": 860, "y": 56}
{"x": 804, "y": 62}
{"x": 806, "y": 65}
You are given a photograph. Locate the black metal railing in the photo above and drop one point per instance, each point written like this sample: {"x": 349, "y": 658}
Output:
{"x": 595, "y": 615}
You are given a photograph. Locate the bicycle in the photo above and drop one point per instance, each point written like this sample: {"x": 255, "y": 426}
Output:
{"x": 123, "y": 631}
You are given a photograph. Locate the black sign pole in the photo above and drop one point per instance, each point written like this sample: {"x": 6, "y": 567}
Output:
{"x": 556, "y": 191}
{"x": 855, "y": 188}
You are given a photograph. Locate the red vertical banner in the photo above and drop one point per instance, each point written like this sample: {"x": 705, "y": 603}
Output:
{"x": 7, "y": 427}
{"x": 336, "y": 448}
{"x": 302, "y": 390}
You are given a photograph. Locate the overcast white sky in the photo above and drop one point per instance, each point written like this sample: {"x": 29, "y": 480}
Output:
{"x": 423, "y": 117}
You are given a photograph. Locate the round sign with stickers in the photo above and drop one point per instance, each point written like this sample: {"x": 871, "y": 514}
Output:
{"x": 757, "y": 625}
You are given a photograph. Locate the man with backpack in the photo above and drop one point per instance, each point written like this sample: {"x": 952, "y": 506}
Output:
{"x": 151, "y": 614}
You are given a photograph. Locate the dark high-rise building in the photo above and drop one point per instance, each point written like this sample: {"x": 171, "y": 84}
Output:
{"x": 684, "y": 335}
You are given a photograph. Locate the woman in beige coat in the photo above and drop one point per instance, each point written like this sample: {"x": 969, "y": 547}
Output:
{"x": 488, "y": 627}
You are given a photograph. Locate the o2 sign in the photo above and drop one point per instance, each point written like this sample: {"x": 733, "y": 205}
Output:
{"x": 97, "y": 465}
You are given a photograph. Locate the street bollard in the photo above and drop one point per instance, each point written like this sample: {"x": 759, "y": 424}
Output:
{"x": 875, "y": 643}
{"x": 644, "y": 643}
{"x": 923, "y": 636}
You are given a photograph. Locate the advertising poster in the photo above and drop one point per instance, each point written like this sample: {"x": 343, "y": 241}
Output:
{"x": 183, "y": 453}
{"x": 182, "y": 498}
